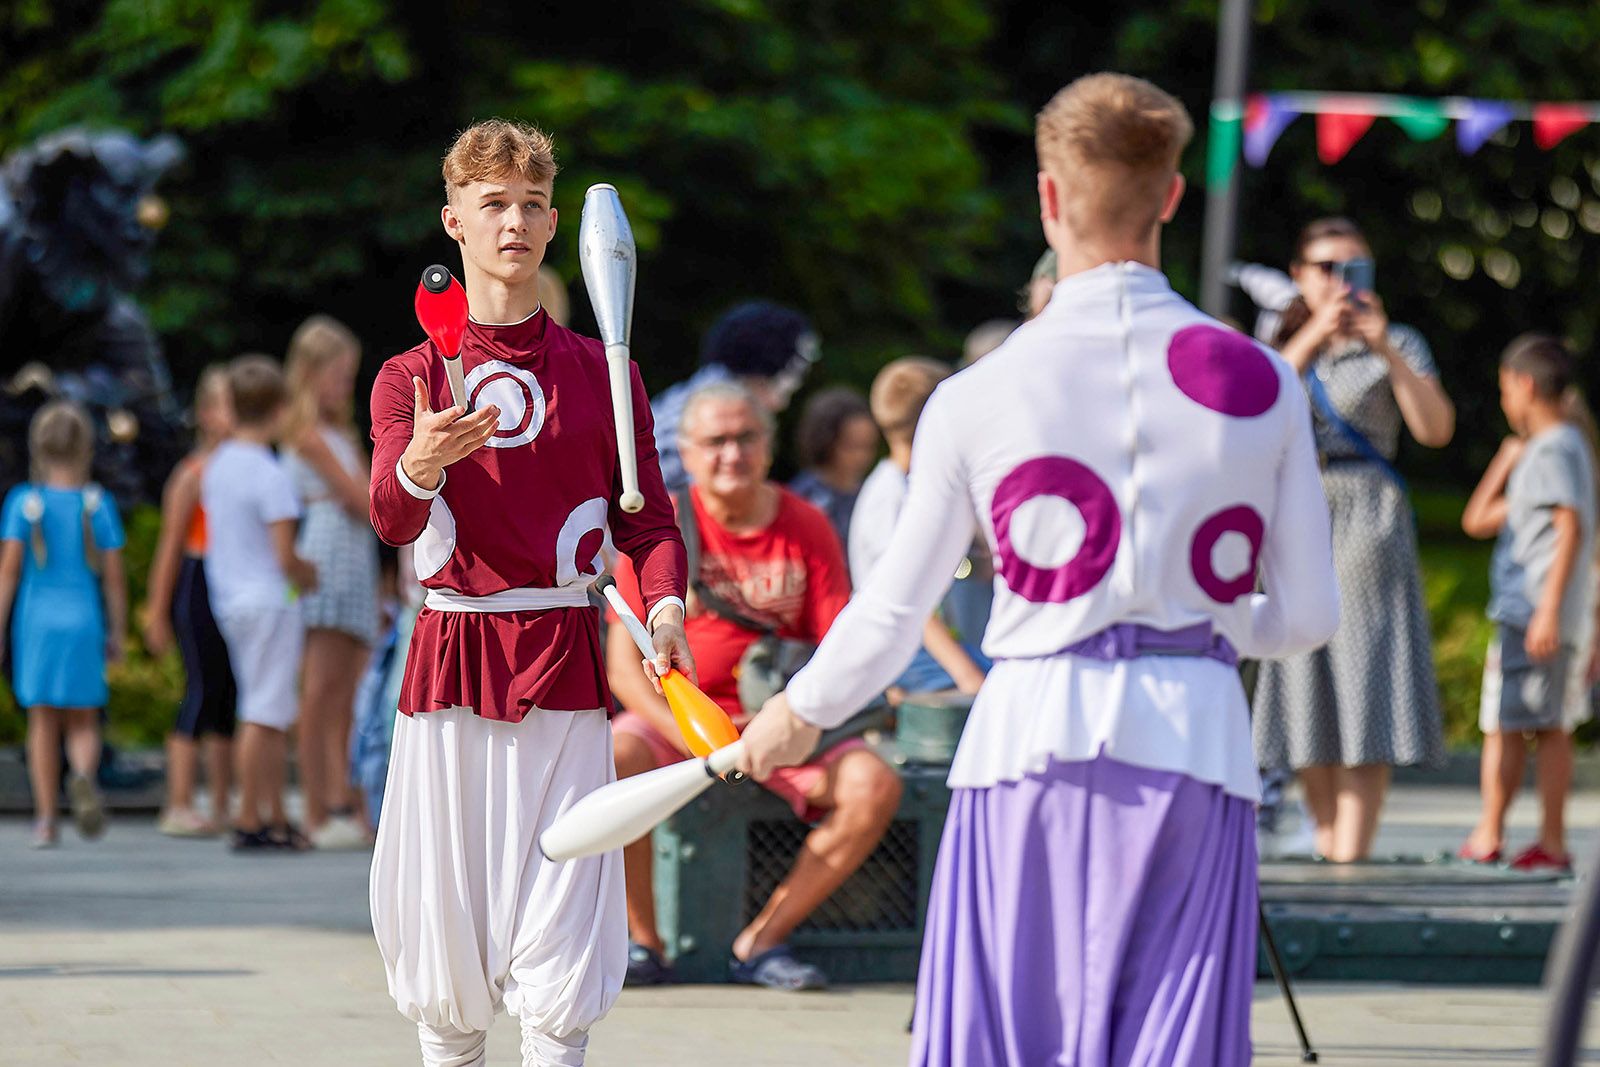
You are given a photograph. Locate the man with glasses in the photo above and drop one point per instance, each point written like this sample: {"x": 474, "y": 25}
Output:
{"x": 772, "y": 562}
{"x": 765, "y": 347}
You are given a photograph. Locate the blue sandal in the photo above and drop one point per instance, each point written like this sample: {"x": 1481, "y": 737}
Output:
{"x": 777, "y": 968}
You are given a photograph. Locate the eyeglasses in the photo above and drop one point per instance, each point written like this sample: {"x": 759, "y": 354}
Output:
{"x": 1329, "y": 266}
{"x": 744, "y": 442}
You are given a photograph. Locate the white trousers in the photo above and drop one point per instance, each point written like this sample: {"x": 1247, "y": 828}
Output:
{"x": 468, "y": 914}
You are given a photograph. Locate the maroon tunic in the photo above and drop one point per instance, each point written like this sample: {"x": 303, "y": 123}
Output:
{"x": 531, "y": 509}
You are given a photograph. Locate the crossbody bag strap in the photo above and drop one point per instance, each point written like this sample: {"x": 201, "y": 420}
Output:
{"x": 1369, "y": 451}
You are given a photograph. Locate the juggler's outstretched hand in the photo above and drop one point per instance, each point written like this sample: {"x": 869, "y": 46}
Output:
{"x": 440, "y": 438}
{"x": 777, "y": 737}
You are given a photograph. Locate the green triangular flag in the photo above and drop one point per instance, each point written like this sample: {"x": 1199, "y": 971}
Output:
{"x": 1222, "y": 147}
{"x": 1423, "y": 120}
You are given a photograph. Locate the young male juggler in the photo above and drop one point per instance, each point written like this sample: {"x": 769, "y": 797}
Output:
{"x": 1135, "y": 466}
{"x": 503, "y": 721}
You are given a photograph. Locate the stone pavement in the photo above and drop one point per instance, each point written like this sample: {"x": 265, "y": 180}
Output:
{"x": 143, "y": 951}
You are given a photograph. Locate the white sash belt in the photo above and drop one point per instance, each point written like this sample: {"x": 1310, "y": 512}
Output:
{"x": 525, "y": 599}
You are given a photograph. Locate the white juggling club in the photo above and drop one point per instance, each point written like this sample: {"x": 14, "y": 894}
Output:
{"x": 610, "y": 263}
{"x": 620, "y": 813}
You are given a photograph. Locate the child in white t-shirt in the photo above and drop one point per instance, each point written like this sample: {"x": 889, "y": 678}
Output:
{"x": 253, "y": 574}
{"x": 898, "y": 394}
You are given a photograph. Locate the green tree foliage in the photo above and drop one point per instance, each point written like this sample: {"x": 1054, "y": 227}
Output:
{"x": 1471, "y": 249}
{"x": 871, "y": 163}
{"x": 820, "y": 153}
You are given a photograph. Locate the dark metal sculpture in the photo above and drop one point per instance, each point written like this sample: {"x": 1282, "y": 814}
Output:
{"x": 77, "y": 219}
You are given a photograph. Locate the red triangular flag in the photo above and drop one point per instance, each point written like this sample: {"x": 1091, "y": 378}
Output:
{"x": 1337, "y": 133}
{"x": 1553, "y": 123}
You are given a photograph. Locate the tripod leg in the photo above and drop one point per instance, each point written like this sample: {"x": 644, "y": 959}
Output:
{"x": 1307, "y": 1053}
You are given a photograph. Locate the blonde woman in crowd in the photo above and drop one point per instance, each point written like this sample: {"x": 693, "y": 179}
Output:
{"x": 330, "y": 470}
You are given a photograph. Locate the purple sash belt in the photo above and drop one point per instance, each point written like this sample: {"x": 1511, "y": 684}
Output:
{"x": 1130, "y": 640}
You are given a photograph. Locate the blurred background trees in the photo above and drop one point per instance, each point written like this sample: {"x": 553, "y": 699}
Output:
{"x": 872, "y": 164}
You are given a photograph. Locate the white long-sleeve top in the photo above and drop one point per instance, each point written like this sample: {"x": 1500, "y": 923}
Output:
{"x": 1129, "y": 460}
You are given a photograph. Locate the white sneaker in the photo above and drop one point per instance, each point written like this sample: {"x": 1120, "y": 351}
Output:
{"x": 341, "y": 833}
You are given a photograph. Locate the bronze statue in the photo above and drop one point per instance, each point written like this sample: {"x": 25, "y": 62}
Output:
{"x": 77, "y": 219}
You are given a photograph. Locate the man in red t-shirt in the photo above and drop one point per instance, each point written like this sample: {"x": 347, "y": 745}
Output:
{"x": 775, "y": 559}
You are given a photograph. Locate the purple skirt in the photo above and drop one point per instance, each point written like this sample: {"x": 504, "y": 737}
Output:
{"x": 1096, "y": 915}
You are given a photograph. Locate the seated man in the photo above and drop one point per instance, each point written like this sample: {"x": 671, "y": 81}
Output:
{"x": 774, "y": 559}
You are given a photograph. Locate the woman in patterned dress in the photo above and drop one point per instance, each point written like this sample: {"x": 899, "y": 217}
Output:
{"x": 1342, "y": 716}
{"x": 330, "y": 471}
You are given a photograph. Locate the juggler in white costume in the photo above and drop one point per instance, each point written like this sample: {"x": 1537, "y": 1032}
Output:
{"x": 502, "y": 724}
{"x": 1135, "y": 466}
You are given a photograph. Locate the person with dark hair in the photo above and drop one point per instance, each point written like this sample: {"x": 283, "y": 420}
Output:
{"x": 1538, "y": 500}
{"x": 836, "y": 444}
{"x": 1343, "y": 715}
{"x": 766, "y": 347}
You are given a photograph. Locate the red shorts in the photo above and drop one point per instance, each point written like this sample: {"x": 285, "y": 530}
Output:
{"x": 793, "y": 784}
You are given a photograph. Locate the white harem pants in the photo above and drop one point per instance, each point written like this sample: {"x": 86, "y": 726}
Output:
{"x": 468, "y": 914}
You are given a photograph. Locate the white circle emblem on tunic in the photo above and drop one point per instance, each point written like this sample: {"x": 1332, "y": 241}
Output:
{"x": 516, "y": 392}
{"x": 1047, "y": 531}
{"x": 1232, "y": 556}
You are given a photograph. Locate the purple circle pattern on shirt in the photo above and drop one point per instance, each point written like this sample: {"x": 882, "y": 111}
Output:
{"x": 1222, "y": 371}
{"x": 1078, "y": 485}
{"x": 1240, "y": 519}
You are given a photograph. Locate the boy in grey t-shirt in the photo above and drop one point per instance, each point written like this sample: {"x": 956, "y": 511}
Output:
{"x": 1538, "y": 499}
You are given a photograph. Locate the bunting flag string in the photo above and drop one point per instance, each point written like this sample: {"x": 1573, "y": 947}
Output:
{"x": 1342, "y": 119}
{"x": 1338, "y": 132}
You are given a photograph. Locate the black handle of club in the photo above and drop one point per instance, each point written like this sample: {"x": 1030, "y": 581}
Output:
{"x": 436, "y": 278}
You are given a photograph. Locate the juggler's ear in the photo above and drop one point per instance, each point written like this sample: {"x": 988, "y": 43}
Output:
{"x": 1174, "y": 194}
{"x": 1049, "y": 198}
{"x": 452, "y": 225}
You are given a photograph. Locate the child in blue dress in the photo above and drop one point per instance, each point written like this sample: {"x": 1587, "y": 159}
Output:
{"x": 61, "y": 564}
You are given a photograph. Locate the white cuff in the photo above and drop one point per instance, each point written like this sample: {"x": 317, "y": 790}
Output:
{"x": 664, "y": 602}
{"x": 412, "y": 487}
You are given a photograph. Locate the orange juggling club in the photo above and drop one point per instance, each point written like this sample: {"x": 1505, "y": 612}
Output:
{"x": 702, "y": 722}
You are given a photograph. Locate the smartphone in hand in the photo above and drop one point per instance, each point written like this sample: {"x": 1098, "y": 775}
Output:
{"x": 1360, "y": 275}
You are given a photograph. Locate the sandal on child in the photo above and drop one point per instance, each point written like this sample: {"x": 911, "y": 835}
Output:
{"x": 777, "y": 968}
{"x": 288, "y": 837}
{"x": 88, "y": 810}
{"x": 185, "y": 822}
{"x": 1465, "y": 852}
{"x": 45, "y": 834}
{"x": 1537, "y": 858}
{"x": 251, "y": 841}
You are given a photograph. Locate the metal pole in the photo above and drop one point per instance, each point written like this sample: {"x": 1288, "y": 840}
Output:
{"x": 1222, "y": 198}
{"x": 1275, "y": 962}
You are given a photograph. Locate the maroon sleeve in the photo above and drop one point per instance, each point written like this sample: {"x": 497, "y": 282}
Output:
{"x": 398, "y": 515}
{"x": 650, "y": 536}
{"x": 827, "y": 574}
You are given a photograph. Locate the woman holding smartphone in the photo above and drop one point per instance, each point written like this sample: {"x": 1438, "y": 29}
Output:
{"x": 1343, "y": 716}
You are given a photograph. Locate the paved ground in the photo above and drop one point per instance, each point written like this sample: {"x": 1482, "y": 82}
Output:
{"x": 147, "y": 952}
